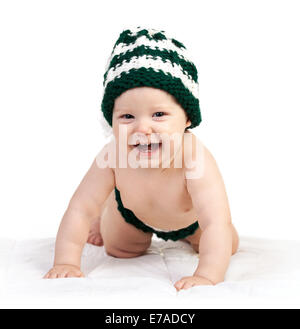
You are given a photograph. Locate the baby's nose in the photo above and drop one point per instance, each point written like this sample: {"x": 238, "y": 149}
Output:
{"x": 143, "y": 127}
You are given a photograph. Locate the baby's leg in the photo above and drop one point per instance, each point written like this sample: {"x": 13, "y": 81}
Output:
{"x": 121, "y": 239}
{"x": 194, "y": 239}
{"x": 94, "y": 234}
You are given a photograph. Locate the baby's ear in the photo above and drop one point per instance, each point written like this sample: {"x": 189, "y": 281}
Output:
{"x": 188, "y": 123}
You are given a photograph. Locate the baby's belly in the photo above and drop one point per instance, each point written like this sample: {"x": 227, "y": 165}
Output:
{"x": 164, "y": 218}
{"x": 161, "y": 201}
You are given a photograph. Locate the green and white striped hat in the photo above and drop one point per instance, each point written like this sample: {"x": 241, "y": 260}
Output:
{"x": 148, "y": 57}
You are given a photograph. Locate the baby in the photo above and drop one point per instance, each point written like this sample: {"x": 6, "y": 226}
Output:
{"x": 155, "y": 176}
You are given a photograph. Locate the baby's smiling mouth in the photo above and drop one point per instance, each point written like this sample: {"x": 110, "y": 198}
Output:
{"x": 146, "y": 148}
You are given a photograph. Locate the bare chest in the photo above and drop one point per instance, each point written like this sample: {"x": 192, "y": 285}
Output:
{"x": 161, "y": 201}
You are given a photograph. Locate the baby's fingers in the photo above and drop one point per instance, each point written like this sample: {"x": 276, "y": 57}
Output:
{"x": 76, "y": 274}
{"x": 50, "y": 275}
{"x": 59, "y": 273}
{"x": 179, "y": 284}
{"x": 187, "y": 285}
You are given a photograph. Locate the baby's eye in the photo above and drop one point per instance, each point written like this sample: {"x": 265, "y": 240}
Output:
{"x": 126, "y": 116}
{"x": 159, "y": 114}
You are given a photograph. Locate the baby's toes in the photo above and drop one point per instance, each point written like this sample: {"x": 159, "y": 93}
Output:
{"x": 91, "y": 238}
{"x": 95, "y": 239}
{"x": 98, "y": 240}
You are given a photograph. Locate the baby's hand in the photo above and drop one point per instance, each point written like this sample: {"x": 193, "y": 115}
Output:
{"x": 190, "y": 281}
{"x": 64, "y": 271}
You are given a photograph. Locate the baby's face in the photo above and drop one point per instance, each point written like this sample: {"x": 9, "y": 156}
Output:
{"x": 146, "y": 111}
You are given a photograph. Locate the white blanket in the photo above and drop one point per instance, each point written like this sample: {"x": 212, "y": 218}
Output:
{"x": 263, "y": 273}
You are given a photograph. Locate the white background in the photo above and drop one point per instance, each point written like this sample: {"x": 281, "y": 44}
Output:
{"x": 52, "y": 60}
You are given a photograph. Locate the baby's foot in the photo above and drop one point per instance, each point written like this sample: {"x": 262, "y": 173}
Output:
{"x": 94, "y": 234}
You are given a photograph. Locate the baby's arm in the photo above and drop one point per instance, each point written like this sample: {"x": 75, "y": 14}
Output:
{"x": 210, "y": 202}
{"x": 84, "y": 206}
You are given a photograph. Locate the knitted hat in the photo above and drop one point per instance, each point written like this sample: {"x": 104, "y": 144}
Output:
{"x": 148, "y": 57}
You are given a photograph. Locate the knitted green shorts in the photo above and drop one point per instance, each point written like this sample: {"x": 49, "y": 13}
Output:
{"x": 130, "y": 218}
